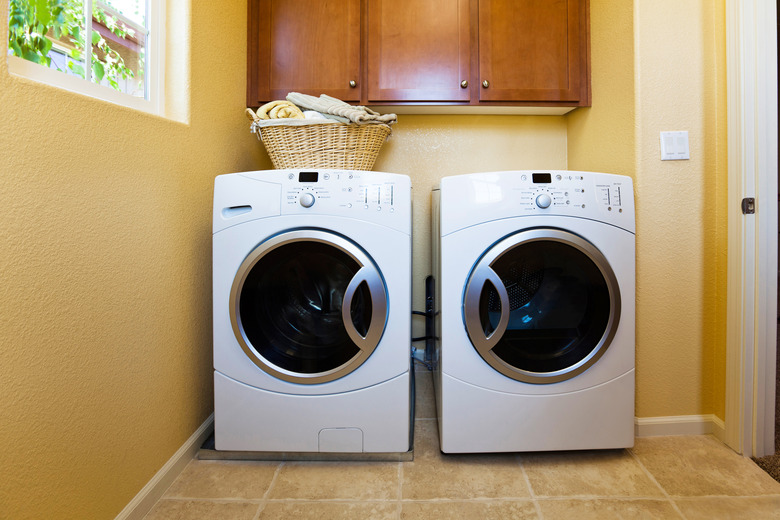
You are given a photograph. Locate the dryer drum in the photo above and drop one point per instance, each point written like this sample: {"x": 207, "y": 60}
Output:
{"x": 291, "y": 307}
{"x": 522, "y": 280}
{"x": 562, "y": 306}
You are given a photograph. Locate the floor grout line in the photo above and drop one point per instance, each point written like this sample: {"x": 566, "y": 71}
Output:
{"x": 272, "y": 484}
{"x": 655, "y": 481}
{"x": 213, "y": 499}
{"x": 400, "y": 489}
{"x": 706, "y": 497}
{"x": 616, "y": 498}
{"x": 621, "y": 498}
{"x": 260, "y": 509}
{"x": 531, "y": 492}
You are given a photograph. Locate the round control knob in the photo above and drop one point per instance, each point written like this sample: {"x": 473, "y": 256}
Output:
{"x": 543, "y": 201}
{"x": 306, "y": 200}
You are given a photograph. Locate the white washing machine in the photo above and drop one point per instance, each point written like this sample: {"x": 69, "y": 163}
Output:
{"x": 312, "y": 311}
{"x": 535, "y": 279}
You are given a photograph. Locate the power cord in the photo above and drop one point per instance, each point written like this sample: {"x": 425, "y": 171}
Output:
{"x": 425, "y": 315}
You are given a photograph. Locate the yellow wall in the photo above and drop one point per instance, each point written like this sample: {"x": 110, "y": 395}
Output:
{"x": 601, "y": 137}
{"x": 106, "y": 331}
{"x": 681, "y": 236}
{"x": 671, "y": 78}
{"x": 716, "y": 202}
{"x": 106, "y": 270}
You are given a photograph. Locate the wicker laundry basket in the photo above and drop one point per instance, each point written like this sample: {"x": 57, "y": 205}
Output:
{"x": 324, "y": 145}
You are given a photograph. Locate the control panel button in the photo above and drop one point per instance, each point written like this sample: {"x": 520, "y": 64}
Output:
{"x": 306, "y": 200}
{"x": 543, "y": 201}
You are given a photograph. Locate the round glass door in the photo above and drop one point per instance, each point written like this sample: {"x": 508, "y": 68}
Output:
{"x": 542, "y": 306}
{"x": 308, "y": 306}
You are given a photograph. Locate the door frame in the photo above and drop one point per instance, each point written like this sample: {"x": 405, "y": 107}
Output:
{"x": 751, "y": 48}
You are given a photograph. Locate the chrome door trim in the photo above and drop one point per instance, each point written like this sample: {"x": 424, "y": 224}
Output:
{"x": 471, "y": 304}
{"x": 376, "y": 288}
{"x": 484, "y": 343}
{"x": 368, "y": 272}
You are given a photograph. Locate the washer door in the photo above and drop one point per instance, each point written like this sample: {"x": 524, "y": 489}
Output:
{"x": 541, "y": 306}
{"x": 308, "y": 306}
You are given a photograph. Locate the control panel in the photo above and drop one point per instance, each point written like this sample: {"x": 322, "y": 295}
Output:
{"x": 568, "y": 190}
{"x": 473, "y": 199}
{"x": 378, "y": 197}
{"x": 319, "y": 191}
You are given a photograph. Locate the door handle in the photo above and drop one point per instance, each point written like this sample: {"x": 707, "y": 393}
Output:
{"x": 378, "y": 295}
{"x": 483, "y": 342}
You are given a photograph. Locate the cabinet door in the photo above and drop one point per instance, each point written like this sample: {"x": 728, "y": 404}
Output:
{"x": 532, "y": 50}
{"x": 418, "y": 50}
{"x": 307, "y": 46}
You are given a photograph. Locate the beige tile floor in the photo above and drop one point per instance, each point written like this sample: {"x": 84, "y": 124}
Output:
{"x": 693, "y": 477}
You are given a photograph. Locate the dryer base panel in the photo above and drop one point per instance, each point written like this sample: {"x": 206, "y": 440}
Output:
{"x": 478, "y": 420}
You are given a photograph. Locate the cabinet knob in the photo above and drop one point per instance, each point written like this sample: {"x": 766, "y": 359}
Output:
{"x": 485, "y": 84}
{"x": 353, "y": 83}
{"x": 464, "y": 84}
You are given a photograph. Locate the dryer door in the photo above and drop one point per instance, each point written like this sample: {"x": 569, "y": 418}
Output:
{"x": 542, "y": 305}
{"x": 308, "y": 306}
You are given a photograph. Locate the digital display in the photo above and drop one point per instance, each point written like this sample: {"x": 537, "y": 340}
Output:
{"x": 542, "y": 178}
{"x": 308, "y": 176}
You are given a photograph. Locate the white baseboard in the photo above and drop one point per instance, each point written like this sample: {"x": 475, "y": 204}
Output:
{"x": 143, "y": 502}
{"x": 680, "y": 425}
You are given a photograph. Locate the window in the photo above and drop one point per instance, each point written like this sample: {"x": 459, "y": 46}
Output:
{"x": 121, "y": 62}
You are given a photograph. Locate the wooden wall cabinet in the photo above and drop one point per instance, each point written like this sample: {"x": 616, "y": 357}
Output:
{"x": 418, "y": 50}
{"x": 533, "y": 50}
{"x": 312, "y": 47}
{"x": 421, "y": 52}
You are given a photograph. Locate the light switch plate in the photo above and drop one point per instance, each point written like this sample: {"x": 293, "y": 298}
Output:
{"x": 674, "y": 146}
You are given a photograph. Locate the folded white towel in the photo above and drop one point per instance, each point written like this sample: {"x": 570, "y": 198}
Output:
{"x": 311, "y": 114}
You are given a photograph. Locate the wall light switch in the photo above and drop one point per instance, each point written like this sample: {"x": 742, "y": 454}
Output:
{"x": 674, "y": 146}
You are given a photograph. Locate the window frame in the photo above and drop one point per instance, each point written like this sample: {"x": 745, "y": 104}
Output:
{"x": 154, "y": 75}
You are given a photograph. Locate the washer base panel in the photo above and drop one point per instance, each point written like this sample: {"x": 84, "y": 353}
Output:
{"x": 478, "y": 420}
{"x": 376, "y": 419}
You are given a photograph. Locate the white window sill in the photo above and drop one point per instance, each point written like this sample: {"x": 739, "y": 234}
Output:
{"x": 32, "y": 71}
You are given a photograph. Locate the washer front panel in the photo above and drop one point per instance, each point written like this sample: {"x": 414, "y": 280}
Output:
{"x": 308, "y": 306}
{"x": 388, "y": 249}
{"x": 462, "y": 252}
{"x": 542, "y": 305}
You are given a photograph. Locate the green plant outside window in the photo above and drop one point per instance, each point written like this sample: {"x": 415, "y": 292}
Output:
{"x": 41, "y": 29}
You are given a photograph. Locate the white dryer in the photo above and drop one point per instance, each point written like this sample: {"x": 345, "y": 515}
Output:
{"x": 312, "y": 311}
{"x": 535, "y": 279}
